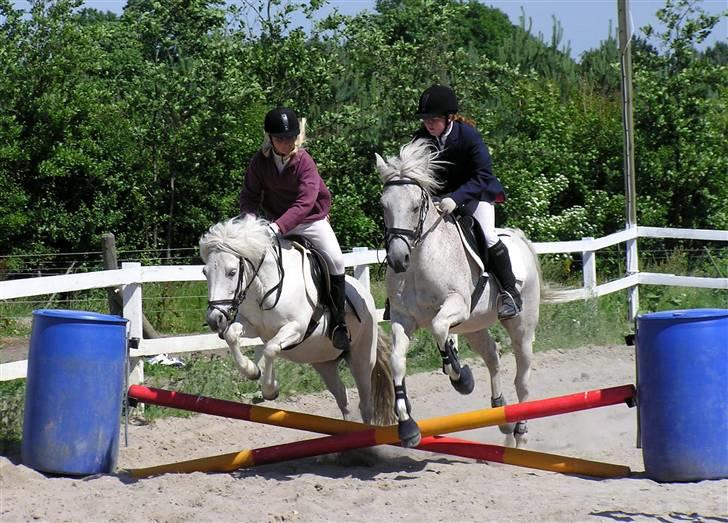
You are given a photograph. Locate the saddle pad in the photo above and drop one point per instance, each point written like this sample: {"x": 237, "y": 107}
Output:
{"x": 468, "y": 249}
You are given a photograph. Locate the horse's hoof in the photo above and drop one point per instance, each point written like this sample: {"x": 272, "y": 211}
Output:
{"x": 508, "y": 429}
{"x": 257, "y": 376}
{"x": 409, "y": 433}
{"x": 466, "y": 383}
{"x": 271, "y": 397}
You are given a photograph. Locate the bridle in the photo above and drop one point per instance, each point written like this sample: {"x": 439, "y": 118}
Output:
{"x": 411, "y": 237}
{"x": 229, "y": 307}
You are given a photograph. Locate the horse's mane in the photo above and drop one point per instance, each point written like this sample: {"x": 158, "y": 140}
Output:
{"x": 416, "y": 161}
{"x": 247, "y": 237}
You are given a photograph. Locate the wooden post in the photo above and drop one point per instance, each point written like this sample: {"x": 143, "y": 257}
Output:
{"x": 361, "y": 272}
{"x": 132, "y": 310}
{"x": 589, "y": 269}
{"x": 625, "y": 52}
{"x": 108, "y": 250}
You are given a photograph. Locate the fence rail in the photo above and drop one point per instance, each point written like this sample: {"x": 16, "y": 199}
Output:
{"x": 133, "y": 275}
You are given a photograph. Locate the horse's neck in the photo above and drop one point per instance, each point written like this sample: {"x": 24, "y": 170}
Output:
{"x": 439, "y": 234}
{"x": 280, "y": 267}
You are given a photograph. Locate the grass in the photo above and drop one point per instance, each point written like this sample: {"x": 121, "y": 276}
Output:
{"x": 179, "y": 309}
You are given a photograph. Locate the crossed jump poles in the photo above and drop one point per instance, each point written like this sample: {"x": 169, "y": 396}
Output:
{"x": 348, "y": 435}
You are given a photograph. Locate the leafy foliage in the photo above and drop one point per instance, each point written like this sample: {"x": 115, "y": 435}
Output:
{"x": 142, "y": 124}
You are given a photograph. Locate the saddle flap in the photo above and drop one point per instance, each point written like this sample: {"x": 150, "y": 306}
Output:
{"x": 319, "y": 271}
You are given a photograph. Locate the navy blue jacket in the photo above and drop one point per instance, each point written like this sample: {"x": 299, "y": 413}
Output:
{"x": 469, "y": 175}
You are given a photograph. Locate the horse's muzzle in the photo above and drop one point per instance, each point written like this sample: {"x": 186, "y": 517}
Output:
{"x": 216, "y": 320}
{"x": 398, "y": 263}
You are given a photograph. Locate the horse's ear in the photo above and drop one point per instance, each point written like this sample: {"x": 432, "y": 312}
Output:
{"x": 381, "y": 164}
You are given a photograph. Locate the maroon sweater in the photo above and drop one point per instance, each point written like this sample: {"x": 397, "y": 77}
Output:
{"x": 297, "y": 195}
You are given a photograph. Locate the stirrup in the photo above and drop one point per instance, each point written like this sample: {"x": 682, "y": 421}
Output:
{"x": 508, "y": 307}
{"x": 340, "y": 337}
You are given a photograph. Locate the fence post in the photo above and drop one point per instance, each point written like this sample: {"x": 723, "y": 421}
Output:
{"x": 633, "y": 293}
{"x": 589, "y": 268}
{"x": 361, "y": 272}
{"x": 131, "y": 295}
{"x": 108, "y": 250}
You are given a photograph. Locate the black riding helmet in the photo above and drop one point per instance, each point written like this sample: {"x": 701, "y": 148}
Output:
{"x": 281, "y": 122}
{"x": 437, "y": 100}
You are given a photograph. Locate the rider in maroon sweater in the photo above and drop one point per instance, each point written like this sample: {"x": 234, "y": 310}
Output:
{"x": 283, "y": 182}
{"x": 294, "y": 196}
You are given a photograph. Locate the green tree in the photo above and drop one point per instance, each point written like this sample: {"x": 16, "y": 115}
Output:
{"x": 681, "y": 123}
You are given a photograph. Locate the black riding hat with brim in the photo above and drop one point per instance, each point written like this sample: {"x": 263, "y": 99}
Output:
{"x": 437, "y": 100}
{"x": 282, "y": 122}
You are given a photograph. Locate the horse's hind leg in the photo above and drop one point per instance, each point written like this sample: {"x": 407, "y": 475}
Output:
{"x": 522, "y": 344}
{"x": 361, "y": 361}
{"x": 329, "y": 372}
{"x": 482, "y": 343}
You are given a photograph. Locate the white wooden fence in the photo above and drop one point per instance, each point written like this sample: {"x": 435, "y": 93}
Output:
{"x": 132, "y": 276}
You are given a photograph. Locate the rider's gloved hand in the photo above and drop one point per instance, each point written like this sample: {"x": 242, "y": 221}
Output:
{"x": 274, "y": 227}
{"x": 447, "y": 205}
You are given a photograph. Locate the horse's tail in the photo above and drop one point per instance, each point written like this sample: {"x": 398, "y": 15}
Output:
{"x": 562, "y": 295}
{"x": 382, "y": 382}
{"x": 536, "y": 262}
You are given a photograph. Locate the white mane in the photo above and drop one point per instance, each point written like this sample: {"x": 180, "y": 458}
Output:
{"x": 247, "y": 237}
{"x": 416, "y": 161}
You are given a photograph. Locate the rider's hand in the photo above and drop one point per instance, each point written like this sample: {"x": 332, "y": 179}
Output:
{"x": 447, "y": 205}
{"x": 274, "y": 227}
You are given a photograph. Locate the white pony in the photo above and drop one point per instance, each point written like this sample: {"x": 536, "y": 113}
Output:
{"x": 431, "y": 279}
{"x": 261, "y": 285}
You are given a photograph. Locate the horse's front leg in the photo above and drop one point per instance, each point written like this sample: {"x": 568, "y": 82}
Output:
{"x": 246, "y": 366}
{"x": 453, "y": 311}
{"x": 290, "y": 334}
{"x": 408, "y": 431}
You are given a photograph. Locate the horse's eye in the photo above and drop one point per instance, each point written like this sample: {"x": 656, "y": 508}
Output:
{"x": 415, "y": 209}
{"x": 232, "y": 272}
{"x": 204, "y": 271}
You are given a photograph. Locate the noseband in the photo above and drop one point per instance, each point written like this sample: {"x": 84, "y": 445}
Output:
{"x": 410, "y": 237}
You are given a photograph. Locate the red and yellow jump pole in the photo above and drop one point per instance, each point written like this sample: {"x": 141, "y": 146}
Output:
{"x": 350, "y": 435}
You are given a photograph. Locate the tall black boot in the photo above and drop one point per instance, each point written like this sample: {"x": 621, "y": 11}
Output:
{"x": 509, "y": 300}
{"x": 339, "y": 333}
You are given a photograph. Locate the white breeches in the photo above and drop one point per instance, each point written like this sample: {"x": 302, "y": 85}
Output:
{"x": 322, "y": 236}
{"x": 484, "y": 213}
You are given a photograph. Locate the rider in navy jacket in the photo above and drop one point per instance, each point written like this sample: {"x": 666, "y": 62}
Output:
{"x": 468, "y": 175}
{"x": 469, "y": 185}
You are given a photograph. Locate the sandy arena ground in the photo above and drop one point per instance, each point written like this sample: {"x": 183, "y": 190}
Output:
{"x": 383, "y": 484}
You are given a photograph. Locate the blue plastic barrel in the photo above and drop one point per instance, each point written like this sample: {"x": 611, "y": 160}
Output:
{"x": 74, "y": 392}
{"x": 682, "y": 388}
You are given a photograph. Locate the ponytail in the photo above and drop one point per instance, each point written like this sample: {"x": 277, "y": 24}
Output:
{"x": 463, "y": 119}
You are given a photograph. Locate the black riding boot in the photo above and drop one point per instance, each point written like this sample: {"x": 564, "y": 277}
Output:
{"x": 339, "y": 333}
{"x": 509, "y": 300}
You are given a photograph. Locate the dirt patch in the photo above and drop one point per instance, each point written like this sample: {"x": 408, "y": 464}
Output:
{"x": 14, "y": 348}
